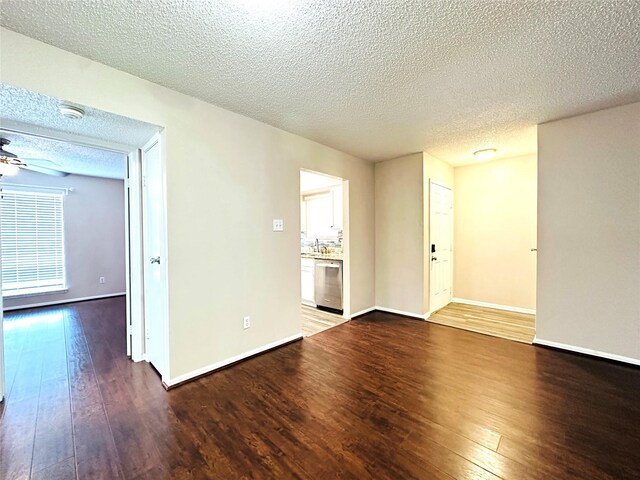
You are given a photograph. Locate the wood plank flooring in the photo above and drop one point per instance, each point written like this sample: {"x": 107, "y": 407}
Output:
{"x": 381, "y": 397}
{"x": 488, "y": 321}
{"x": 316, "y": 321}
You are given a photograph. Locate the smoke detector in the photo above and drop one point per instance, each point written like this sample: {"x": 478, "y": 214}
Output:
{"x": 69, "y": 111}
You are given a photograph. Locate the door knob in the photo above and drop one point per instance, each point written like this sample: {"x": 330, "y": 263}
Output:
{"x": 155, "y": 260}
{"x": 534, "y": 249}
{"x": 433, "y": 259}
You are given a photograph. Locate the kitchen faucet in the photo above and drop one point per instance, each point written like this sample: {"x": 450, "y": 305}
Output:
{"x": 317, "y": 247}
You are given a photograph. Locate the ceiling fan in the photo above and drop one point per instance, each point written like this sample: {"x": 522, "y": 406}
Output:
{"x": 10, "y": 163}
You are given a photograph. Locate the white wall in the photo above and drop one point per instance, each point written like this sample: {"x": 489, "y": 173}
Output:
{"x": 589, "y": 232}
{"x": 495, "y": 230}
{"x": 94, "y": 236}
{"x": 227, "y": 176}
{"x": 399, "y": 234}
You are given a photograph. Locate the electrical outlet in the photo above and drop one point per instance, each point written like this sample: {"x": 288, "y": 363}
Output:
{"x": 101, "y": 279}
{"x": 247, "y": 322}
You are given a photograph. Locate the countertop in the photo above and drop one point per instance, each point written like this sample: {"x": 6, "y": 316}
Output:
{"x": 323, "y": 256}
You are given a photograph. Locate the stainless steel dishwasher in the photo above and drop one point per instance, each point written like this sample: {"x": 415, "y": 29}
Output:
{"x": 328, "y": 284}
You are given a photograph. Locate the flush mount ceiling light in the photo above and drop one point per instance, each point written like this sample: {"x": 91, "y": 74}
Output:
{"x": 485, "y": 153}
{"x": 70, "y": 111}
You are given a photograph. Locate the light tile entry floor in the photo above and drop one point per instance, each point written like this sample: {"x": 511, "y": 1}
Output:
{"x": 315, "y": 321}
{"x": 519, "y": 327}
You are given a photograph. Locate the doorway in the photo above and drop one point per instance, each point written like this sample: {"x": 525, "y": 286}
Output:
{"x": 139, "y": 158}
{"x": 494, "y": 229}
{"x": 323, "y": 251}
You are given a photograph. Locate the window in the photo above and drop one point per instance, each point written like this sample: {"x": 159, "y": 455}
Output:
{"x": 32, "y": 233}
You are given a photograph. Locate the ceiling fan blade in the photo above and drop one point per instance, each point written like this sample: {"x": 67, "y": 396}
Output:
{"x": 45, "y": 170}
{"x": 30, "y": 161}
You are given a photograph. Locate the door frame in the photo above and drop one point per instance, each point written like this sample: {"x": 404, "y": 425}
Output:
{"x": 428, "y": 249}
{"x": 164, "y": 368}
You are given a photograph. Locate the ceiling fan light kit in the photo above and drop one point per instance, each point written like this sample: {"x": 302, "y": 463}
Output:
{"x": 7, "y": 168}
{"x": 10, "y": 164}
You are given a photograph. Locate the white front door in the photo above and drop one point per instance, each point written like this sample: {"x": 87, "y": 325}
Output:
{"x": 154, "y": 256}
{"x": 440, "y": 246}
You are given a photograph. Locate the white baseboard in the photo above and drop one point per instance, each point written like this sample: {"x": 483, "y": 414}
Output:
{"x": 497, "y": 306}
{"x": 423, "y": 316}
{"x": 586, "y": 351}
{"x": 362, "y": 312}
{"x": 61, "y": 302}
{"x": 223, "y": 363}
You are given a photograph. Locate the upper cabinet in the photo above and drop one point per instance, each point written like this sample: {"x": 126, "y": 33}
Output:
{"x": 321, "y": 213}
{"x": 336, "y": 197}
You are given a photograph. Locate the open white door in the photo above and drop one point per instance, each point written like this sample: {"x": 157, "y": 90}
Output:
{"x": 440, "y": 246}
{"x": 127, "y": 262}
{"x": 134, "y": 259}
{"x": 154, "y": 257}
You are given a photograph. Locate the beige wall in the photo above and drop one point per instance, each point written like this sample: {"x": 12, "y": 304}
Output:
{"x": 399, "y": 234}
{"x": 402, "y": 230}
{"x": 443, "y": 174}
{"x": 93, "y": 234}
{"x": 494, "y": 232}
{"x": 589, "y": 231}
{"x": 227, "y": 176}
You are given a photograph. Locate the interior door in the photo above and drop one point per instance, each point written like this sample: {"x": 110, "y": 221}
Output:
{"x": 127, "y": 255}
{"x": 440, "y": 246}
{"x": 134, "y": 254}
{"x": 154, "y": 234}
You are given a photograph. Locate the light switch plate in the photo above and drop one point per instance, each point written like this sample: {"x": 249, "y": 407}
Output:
{"x": 278, "y": 225}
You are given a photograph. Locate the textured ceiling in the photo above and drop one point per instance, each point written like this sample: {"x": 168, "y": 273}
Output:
{"x": 67, "y": 157}
{"x": 510, "y": 143}
{"x": 373, "y": 78}
{"x": 25, "y": 111}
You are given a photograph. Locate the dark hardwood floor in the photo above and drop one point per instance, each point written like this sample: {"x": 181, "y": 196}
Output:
{"x": 379, "y": 397}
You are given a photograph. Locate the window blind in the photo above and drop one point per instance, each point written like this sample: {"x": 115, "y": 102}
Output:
{"x": 32, "y": 242}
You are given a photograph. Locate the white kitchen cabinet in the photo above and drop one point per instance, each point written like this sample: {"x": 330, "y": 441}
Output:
{"x": 321, "y": 213}
{"x": 336, "y": 205}
{"x": 308, "y": 281}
